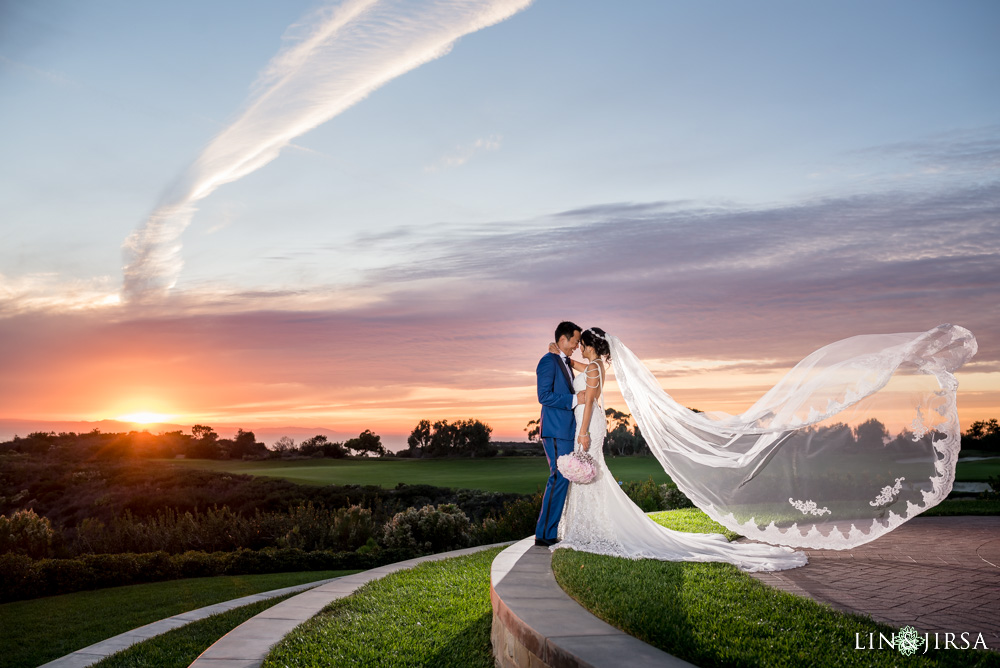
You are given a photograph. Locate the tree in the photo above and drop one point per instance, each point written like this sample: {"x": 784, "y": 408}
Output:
{"x": 246, "y": 444}
{"x": 442, "y": 439}
{"x": 472, "y": 438}
{"x": 205, "y": 444}
{"x": 871, "y": 433}
{"x": 533, "y": 428}
{"x": 284, "y": 444}
{"x": 365, "y": 443}
{"x": 420, "y": 437}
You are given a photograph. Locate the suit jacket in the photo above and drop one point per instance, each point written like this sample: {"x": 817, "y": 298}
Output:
{"x": 555, "y": 394}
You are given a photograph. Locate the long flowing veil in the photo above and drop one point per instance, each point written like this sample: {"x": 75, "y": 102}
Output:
{"x": 859, "y": 437}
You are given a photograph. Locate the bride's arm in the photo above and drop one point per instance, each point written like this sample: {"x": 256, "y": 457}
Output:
{"x": 593, "y": 371}
{"x": 577, "y": 366}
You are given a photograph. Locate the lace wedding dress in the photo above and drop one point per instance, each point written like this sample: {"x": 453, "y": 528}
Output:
{"x": 859, "y": 437}
{"x": 599, "y": 517}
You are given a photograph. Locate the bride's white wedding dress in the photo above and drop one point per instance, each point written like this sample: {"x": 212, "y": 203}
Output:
{"x": 599, "y": 517}
{"x": 859, "y": 437}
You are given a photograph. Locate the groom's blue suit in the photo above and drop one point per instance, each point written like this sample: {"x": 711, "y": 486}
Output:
{"x": 557, "y": 426}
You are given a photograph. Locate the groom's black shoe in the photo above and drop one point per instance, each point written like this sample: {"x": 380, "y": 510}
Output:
{"x": 543, "y": 542}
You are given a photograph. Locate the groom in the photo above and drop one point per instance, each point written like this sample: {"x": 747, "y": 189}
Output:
{"x": 557, "y": 426}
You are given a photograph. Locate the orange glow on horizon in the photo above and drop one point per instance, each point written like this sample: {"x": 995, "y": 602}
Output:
{"x": 145, "y": 417}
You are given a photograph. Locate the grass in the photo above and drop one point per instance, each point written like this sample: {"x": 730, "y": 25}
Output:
{"x": 977, "y": 471}
{"x": 36, "y": 631}
{"x": 179, "y": 647}
{"x": 436, "y": 614}
{"x": 951, "y": 507}
{"x": 522, "y": 475}
{"x": 691, "y": 520}
{"x": 715, "y": 615}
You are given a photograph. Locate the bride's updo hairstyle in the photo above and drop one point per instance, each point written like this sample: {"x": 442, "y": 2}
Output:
{"x": 595, "y": 338}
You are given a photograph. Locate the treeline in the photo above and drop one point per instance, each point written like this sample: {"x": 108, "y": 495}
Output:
{"x": 625, "y": 438}
{"x": 202, "y": 443}
{"x": 464, "y": 438}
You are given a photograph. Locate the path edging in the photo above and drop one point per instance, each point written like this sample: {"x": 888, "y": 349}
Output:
{"x": 247, "y": 645}
{"x": 91, "y": 654}
{"x": 536, "y": 624}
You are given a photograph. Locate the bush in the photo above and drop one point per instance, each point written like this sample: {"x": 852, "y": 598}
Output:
{"x": 23, "y": 578}
{"x": 646, "y": 494}
{"x": 993, "y": 493}
{"x": 517, "y": 520}
{"x": 674, "y": 498}
{"x": 24, "y": 532}
{"x": 430, "y": 529}
{"x": 652, "y": 497}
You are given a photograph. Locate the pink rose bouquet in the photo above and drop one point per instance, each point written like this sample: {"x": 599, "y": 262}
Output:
{"x": 577, "y": 467}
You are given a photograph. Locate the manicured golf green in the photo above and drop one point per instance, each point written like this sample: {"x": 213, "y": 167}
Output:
{"x": 522, "y": 475}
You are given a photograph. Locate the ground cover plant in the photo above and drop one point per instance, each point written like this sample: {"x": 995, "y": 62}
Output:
{"x": 34, "y": 632}
{"x": 436, "y": 614}
{"x": 715, "y": 615}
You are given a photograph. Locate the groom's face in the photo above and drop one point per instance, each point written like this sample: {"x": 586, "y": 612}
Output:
{"x": 569, "y": 345}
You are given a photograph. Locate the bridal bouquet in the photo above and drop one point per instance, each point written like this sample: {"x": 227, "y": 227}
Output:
{"x": 577, "y": 467}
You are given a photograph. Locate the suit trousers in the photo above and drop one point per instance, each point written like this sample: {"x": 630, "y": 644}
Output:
{"x": 555, "y": 489}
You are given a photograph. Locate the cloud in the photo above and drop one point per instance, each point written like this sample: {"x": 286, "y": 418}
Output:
{"x": 738, "y": 282}
{"x": 718, "y": 299}
{"x": 969, "y": 150}
{"x": 462, "y": 154}
{"x": 335, "y": 57}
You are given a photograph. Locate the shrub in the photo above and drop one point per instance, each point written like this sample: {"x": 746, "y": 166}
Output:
{"x": 674, "y": 498}
{"x": 25, "y": 578}
{"x": 24, "y": 532}
{"x": 517, "y": 520}
{"x": 993, "y": 493}
{"x": 646, "y": 494}
{"x": 430, "y": 529}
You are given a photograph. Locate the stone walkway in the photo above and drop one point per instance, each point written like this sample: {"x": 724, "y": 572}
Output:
{"x": 248, "y": 645}
{"x": 936, "y": 574}
{"x": 93, "y": 653}
{"x": 537, "y": 625}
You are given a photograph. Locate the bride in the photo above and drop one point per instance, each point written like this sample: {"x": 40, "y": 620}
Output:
{"x": 599, "y": 517}
{"x": 817, "y": 450}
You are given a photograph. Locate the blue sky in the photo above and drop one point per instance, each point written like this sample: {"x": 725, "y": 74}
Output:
{"x": 758, "y": 134}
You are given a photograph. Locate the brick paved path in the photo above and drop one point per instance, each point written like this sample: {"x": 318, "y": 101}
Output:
{"x": 937, "y": 574}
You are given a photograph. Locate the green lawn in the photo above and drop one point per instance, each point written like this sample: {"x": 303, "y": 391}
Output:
{"x": 36, "y": 631}
{"x": 180, "y": 647}
{"x": 522, "y": 475}
{"x": 712, "y": 614}
{"x": 436, "y": 614}
{"x": 977, "y": 471}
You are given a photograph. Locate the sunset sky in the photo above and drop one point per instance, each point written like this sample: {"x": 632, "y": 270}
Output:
{"x": 359, "y": 214}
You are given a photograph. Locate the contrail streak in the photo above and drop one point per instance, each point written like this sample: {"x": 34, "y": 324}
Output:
{"x": 337, "y": 57}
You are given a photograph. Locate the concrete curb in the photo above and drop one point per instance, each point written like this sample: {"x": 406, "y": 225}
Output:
{"x": 247, "y": 645}
{"x": 536, "y": 624}
{"x": 93, "y": 653}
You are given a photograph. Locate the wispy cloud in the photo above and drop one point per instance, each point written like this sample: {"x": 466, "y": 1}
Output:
{"x": 336, "y": 57}
{"x": 462, "y": 154}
